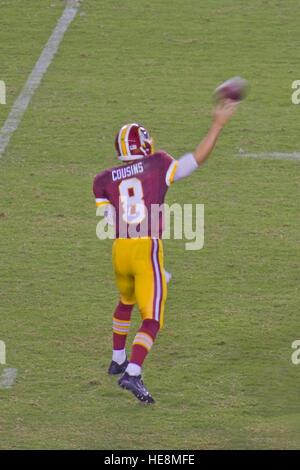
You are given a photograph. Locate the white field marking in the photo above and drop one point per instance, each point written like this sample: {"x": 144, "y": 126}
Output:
{"x": 2, "y": 353}
{"x": 23, "y": 100}
{"x": 8, "y": 377}
{"x": 276, "y": 155}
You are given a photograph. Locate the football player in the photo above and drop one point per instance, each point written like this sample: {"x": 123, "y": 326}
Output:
{"x": 133, "y": 190}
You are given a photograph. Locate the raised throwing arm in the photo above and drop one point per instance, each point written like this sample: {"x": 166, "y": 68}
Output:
{"x": 190, "y": 162}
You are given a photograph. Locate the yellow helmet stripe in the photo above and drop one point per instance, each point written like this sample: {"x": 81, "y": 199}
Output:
{"x": 122, "y": 140}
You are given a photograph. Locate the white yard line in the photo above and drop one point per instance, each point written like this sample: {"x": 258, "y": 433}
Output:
{"x": 23, "y": 100}
{"x": 275, "y": 155}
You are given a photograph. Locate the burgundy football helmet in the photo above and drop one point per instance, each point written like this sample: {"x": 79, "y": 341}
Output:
{"x": 133, "y": 142}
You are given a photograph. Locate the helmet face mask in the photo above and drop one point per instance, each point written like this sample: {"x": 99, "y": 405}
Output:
{"x": 133, "y": 142}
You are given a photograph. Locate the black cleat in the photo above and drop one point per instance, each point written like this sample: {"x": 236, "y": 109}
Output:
{"x": 115, "y": 368}
{"x": 135, "y": 385}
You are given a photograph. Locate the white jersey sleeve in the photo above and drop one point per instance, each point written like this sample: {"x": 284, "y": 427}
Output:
{"x": 186, "y": 166}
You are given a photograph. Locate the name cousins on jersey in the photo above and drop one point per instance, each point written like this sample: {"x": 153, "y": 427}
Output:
{"x": 188, "y": 222}
{"x": 127, "y": 171}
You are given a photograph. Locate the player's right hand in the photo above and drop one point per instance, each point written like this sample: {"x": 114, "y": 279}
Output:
{"x": 224, "y": 110}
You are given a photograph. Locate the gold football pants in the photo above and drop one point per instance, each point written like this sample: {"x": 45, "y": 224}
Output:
{"x": 138, "y": 266}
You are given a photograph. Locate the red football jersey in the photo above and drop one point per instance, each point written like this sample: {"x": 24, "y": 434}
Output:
{"x": 137, "y": 192}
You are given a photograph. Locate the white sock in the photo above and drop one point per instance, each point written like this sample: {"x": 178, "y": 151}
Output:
{"x": 133, "y": 369}
{"x": 119, "y": 356}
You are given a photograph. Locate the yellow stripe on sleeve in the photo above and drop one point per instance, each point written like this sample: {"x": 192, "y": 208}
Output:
{"x": 100, "y": 201}
{"x": 98, "y": 204}
{"x": 173, "y": 172}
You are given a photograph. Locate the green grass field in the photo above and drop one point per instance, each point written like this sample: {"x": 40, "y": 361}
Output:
{"x": 221, "y": 369}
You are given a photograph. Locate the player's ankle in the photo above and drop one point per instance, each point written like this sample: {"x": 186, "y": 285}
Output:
{"x": 119, "y": 356}
{"x": 133, "y": 369}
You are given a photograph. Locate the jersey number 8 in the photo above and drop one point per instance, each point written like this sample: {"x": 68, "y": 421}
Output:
{"x": 132, "y": 199}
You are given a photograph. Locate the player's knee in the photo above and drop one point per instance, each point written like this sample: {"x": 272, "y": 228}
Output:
{"x": 151, "y": 327}
{"x": 125, "y": 307}
{"x": 127, "y": 299}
